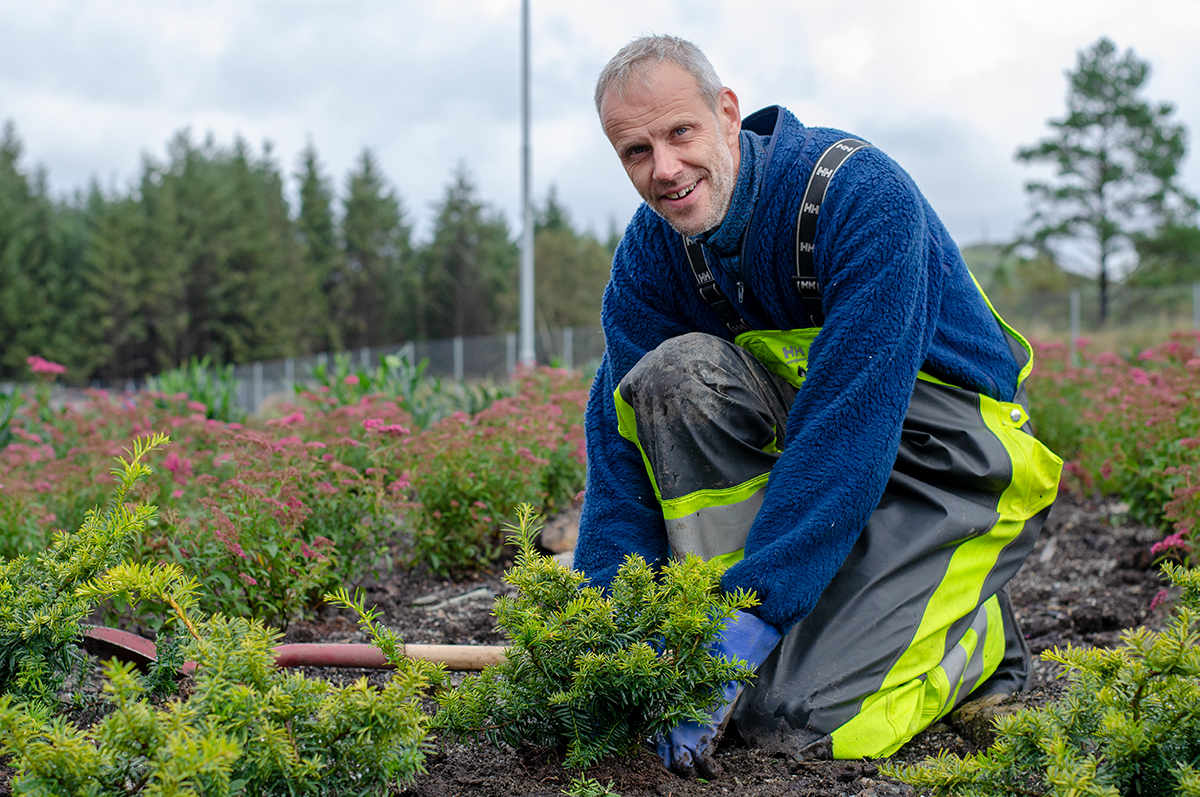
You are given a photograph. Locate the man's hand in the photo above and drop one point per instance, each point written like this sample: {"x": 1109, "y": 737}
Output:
{"x": 688, "y": 749}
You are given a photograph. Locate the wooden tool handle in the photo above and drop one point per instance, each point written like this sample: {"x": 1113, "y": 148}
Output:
{"x": 347, "y": 654}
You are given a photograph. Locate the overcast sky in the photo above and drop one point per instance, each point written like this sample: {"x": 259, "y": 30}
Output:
{"x": 949, "y": 88}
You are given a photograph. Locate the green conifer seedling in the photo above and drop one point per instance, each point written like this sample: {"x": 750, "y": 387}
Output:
{"x": 40, "y": 606}
{"x": 1128, "y": 724}
{"x": 596, "y": 675}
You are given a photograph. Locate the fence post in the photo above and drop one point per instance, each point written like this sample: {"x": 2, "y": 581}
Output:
{"x": 258, "y": 388}
{"x": 568, "y": 348}
{"x": 289, "y": 376}
{"x": 1196, "y": 306}
{"x": 1075, "y": 332}
{"x": 511, "y": 345}
{"x": 458, "y": 358}
{"x": 364, "y": 357}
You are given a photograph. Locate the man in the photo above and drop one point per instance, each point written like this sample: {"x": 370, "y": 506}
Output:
{"x": 875, "y": 484}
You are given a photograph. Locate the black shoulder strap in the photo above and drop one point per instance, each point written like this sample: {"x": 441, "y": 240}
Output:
{"x": 709, "y": 292}
{"x": 807, "y": 284}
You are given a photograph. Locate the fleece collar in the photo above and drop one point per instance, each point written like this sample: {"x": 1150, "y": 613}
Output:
{"x": 726, "y": 238}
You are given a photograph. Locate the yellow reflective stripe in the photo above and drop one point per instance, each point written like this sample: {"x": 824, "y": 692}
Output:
{"x": 773, "y": 446}
{"x": 703, "y": 499}
{"x": 889, "y": 719}
{"x": 1033, "y": 487}
{"x": 730, "y": 559}
{"x": 627, "y": 426}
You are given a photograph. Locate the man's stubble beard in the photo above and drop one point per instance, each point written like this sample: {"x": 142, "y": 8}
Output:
{"x": 720, "y": 184}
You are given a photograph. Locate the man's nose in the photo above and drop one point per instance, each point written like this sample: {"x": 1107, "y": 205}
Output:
{"x": 667, "y": 165}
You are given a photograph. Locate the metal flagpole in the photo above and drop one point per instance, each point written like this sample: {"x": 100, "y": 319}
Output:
{"x": 528, "y": 355}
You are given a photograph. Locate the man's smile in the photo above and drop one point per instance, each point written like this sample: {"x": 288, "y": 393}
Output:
{"x": 681, "y": 193}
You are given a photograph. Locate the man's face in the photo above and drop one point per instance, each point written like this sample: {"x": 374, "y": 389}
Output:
{"x": 681, "y": 157}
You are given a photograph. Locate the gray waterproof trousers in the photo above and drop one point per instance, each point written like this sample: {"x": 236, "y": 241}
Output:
{"x": 918, "y": 616}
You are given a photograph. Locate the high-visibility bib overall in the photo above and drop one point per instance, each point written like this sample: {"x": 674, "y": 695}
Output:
{"x": 917, "y": 617}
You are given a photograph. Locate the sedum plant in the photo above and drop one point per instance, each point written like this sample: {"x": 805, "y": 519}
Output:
{"x": 40, "y": 608}
{"x": 596, "y": 675}
{"x": 1129, "y": 723}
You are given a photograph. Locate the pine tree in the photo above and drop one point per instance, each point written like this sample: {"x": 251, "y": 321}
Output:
{"x": 220, "y": 256}
{"x": 470, "y": 266}
{"x": 1116, "y": 158}
{"x": 572, "y": 269}
{"x": 41, "y": 280}
{"x": 373, "y": 297}
{"x": 319, "y": 243}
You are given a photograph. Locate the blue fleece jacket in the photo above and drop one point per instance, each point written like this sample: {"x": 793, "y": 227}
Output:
{"x": 897, "y": 299}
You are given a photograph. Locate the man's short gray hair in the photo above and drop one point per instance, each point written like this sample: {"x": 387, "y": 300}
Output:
{"x": 636, "y": 59}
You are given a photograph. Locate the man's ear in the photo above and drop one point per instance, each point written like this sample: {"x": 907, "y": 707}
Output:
{"x": 729, "y": 115}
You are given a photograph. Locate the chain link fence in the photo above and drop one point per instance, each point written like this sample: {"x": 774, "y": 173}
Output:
{"x": 1136, "y": 318}
{"x": 484, "y": 357}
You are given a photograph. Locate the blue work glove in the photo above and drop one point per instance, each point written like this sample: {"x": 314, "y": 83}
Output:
{"x": 688, "y": 749}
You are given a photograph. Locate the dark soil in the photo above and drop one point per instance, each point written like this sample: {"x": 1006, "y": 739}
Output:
{"x": 1090, "y": 576}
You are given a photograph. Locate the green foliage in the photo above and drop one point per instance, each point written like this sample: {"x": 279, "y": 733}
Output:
{"x": 1127, "y": 427}
{"x": 1168, "y": 256}
{"x": 583, "y": 786}
{"x": 1116, "y": 158}
{"x": 9, "y": 401}
{"x": 1129, "y": 723}
{"x": 426, "y": 399}
{"x": 468, "y": 471}
{"x": 592, "y": 675}
{"x": 371, "y": 292}
{"x": 572, "y": 269}
{"x": 245, "y": 728}
{"x": 40, "y": 609}
{"x": 214, "y": 387}
{"x": 469, "y": 267}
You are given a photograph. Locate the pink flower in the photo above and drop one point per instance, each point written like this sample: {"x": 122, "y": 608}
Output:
{"x": 326, "y": 488}
{"x": 40, "y": 365}
{"x": 43, "y": 486}
{"x": 1159, "y": 598}
{"x": 1140, "y": 377}
{"x": 371, "y": 424}
{"x": 177, "y": 493}
{"x": 394, "y": 430}
{"x": 351, "y": 380}
{"x": 250, "y": 580}
{"x": 196, "y": 406}
{"x": 180, "y": 467}
{"x": 1170, "y": 543}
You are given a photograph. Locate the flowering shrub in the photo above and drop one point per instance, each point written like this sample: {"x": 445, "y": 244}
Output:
{"x": 1129, "y": 427}
{"x": 466, "y": 473}
{"x": 270, "y": 517}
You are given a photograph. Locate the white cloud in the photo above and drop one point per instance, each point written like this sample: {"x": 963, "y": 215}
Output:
{"x": 950, "y": 89}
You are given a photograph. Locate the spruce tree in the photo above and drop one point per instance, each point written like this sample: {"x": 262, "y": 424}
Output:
{"x": 321, "y": 254}
{"x": 373, "y": 293}
{"x": 470, "y": 266}
{"x": 572, "y": 269}
{"x": 1116, "y": 158}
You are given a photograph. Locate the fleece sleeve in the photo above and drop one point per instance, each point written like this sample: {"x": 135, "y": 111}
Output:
{"x": 844, "y": 427}
{"x": 621, "y": 514}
